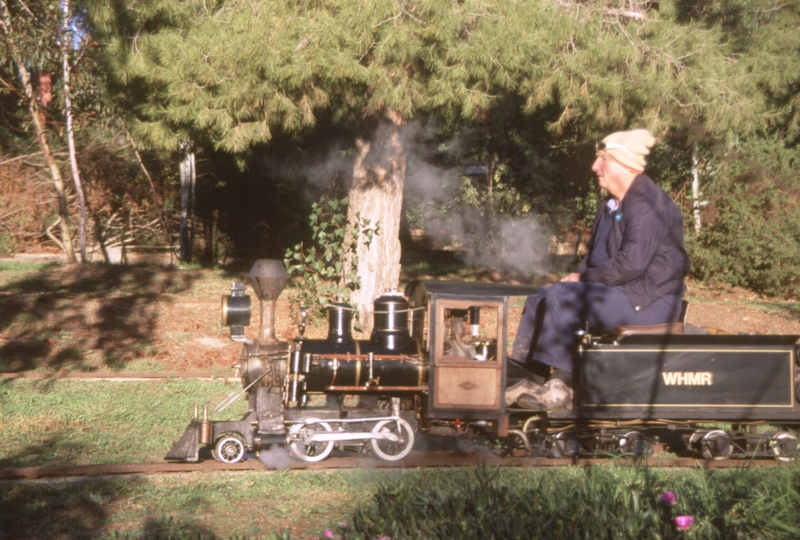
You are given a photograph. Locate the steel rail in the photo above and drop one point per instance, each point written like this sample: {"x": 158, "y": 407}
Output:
{"x": 117, "y": 376}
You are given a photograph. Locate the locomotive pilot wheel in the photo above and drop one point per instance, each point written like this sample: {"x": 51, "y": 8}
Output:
{"x": 398, "y": 441}
{"x": 228, "y": 449}
{"x": 303, "y": 448}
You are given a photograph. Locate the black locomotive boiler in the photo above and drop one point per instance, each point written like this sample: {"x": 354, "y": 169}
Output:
{"x": 435, "y": 364}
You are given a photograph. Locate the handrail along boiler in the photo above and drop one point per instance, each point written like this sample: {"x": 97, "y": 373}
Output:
{"x": 435, "y": 364}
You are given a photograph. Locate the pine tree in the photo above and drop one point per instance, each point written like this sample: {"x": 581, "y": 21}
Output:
{"x": 232, "y": 71}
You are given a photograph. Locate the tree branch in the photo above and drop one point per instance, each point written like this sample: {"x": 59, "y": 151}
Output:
{"x": 6, "y": 162}
{"x": 638, "y": 15}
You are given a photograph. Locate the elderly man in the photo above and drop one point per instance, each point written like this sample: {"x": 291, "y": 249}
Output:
{"x": 632, "y": 275}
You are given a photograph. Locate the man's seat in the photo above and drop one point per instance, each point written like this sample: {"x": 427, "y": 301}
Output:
{"x": 657, "y": 329}
{"x": 660, "y": 329}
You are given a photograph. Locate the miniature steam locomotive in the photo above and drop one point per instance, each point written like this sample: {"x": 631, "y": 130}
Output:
{"x": 435, "y": 365}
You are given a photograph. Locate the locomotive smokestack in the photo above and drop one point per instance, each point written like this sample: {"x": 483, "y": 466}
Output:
{"x": 267, "y": 278}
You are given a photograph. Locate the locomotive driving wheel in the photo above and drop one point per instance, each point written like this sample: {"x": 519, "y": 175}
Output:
{"x": 229, "y": 449}
{"x": 397, "y": 441}
{"x": 516, "y": 444}
{"x": 305, "y": 449}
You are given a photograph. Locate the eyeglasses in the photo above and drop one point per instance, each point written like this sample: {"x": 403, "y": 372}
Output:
{"x": 611, "y": 146}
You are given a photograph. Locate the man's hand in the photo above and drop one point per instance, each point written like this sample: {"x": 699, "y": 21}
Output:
{"x": 572, "y": 276}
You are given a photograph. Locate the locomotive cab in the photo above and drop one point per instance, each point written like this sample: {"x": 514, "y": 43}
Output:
{"x": 467, "y": 328}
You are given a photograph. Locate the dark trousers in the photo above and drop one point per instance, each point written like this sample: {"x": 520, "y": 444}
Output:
{"x": 550, "y": 319}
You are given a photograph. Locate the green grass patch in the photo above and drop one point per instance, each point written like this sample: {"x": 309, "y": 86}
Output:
{"x": 787, "y": 309}
{"x": 605, "y": 502}
{"x": 598, "y": 502}
{"x": 784, "y": 309}
{"x": 79, "y": 422}
{"x": 22, "y": 267}
{"x": 20, "y": 277}
{"x": 211, "y": 505}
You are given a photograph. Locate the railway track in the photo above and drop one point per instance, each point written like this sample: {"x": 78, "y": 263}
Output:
{"x": 415, "y": 460}
{"x": 116, "y": 376}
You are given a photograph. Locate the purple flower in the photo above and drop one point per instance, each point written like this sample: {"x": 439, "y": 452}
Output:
{"x": 668, "y": 499}
{"x": 328, "y": 533}
{"x": 683, "y": 523}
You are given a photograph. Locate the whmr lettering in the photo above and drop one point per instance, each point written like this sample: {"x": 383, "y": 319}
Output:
{"x": 688, "y": 378}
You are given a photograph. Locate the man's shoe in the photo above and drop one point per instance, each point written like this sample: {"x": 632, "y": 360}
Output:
{"x": 554, "y": 395}
{"x": 524, "y": 386}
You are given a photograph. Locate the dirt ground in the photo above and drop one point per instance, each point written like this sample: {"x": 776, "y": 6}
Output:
{"x": 160, "y": 318}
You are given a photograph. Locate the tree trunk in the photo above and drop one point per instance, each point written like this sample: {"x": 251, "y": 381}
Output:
{"x": 58, "y": 182}
{"x": 41, "y": 138}
{"x": 187, "y": 201}
{"x": 696, "y": 187}
{"x": 376, "y": 194}
{"x": 73, "y": 160}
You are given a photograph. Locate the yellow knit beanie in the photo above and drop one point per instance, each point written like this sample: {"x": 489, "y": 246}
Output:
{"x": 629, "y": 148}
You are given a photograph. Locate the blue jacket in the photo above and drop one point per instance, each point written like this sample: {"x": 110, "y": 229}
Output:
{"x": 645, "y": 246}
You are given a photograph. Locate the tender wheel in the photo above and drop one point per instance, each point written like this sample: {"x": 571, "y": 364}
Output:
{"x": 389, "y": 449}
{"x": 565, "y": 444}
{"x": 633, "y": 443}
{"x": 229, "y": 449}
{"x": 716, "y": 445}
{"x": 784, "y": 446}
{"x": 303, "y": 448}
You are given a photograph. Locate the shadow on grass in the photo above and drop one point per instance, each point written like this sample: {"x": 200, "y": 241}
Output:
{"x": 52, "y": 315}
{"x": 82, "y": 509}
{"x": 32, "y": 455}
{"x": 71, "y": 509}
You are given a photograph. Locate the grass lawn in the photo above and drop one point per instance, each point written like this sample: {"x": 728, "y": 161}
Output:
{"x": 257, "y": 505}
{"x": 80, "y": 422}
{"x": 600, "y": 502}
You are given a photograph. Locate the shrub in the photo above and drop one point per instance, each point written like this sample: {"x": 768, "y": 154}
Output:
{"x": 751, "y": 231}
{"x": 598, "y": 502}
{"x": 318, "y": 270}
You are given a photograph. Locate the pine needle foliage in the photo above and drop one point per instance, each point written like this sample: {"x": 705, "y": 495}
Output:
{"x": 231, "y": 73}
{"x": 235, "y": 70}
